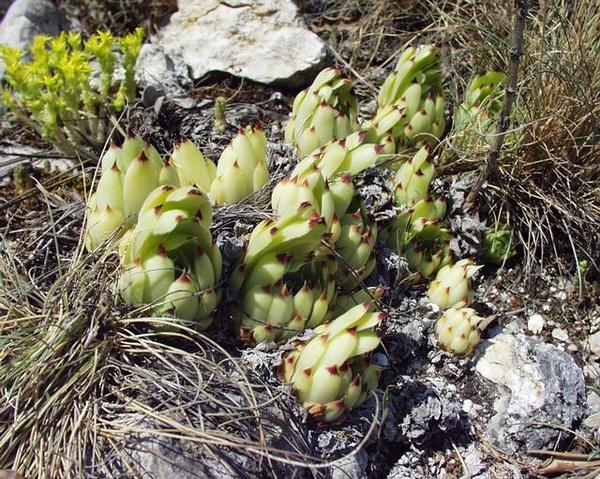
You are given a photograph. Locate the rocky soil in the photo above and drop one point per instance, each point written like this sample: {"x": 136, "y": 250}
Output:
{"x": 532, "y": 383}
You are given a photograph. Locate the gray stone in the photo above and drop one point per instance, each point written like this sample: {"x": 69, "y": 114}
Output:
{"x": 474, "y": 462}
{"x": 560, "y": 334}
{"x": 423, "y": 413}
{"x": 168, "y": 73}
{"x": 27, "y": 18}
{"x": 458, "y": 192}
{"x": 262, "y": 40}
{"x": 592, "y": 422}
{"x": 354, "y": 466}
{"x": 408, "y": 466}
{"x": 155, "y": 456}
{"x": 537, "y": 383}
{"x": 467, "y": 233}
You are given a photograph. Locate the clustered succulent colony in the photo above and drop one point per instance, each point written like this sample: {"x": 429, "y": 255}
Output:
{"x": 306, "y": 264}
{"x": 332, "y": 373}
{"x": 66, "y": 88}
{"x": 169, "y": 258}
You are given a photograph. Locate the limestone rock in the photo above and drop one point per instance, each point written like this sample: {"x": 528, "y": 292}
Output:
{"x": 27, "y": 18}
{"x": 537, "y": 383}
{"x": 262, "y": 40}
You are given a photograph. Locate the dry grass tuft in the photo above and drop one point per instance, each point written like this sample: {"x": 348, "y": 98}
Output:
{"x": 548, "y": 182}
{"x": 55, "y": 345}
{"x": 89, "y": 389}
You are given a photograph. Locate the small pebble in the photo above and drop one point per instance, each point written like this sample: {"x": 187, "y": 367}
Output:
{"x": 535, "y": 324}
{"x": 560, "y": 334}
{"x": 594, "y": 341}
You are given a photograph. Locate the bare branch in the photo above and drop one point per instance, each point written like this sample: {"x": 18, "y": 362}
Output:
{"x": 516, "y": 51}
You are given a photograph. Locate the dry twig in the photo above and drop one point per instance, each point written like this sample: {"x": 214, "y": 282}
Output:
{"x": 516, "y": 51}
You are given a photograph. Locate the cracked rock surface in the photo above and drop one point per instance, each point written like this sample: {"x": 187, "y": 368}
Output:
{"x": 537, "y": 383}
{"x": 262, "y": 40}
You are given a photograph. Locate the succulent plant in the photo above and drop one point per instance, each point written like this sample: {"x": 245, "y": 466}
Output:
{"x": 324, "y": 180}
{"x": 51, "y": 87}
{"x": 451, "y": 287}
{"x": 417, "y": 232}
{"x": 337, "y": 162}
{"x": 475, "y": 120}
{"x": 420, "y": 122}
{"x": 331, "y": 373}
{"x": 191, "y": 167}
{"x": 411, "y": 101}
{"x": 356, "y": 245}
{"x": 418, "y": 68}
{"x": 285, "y": 279}
{"x": 310, "y": 187}
{"x": 351, "y": 155}
{"x": 242, "y": 167}
{"x": 325, "y": 111}
{"x": 429, "y": 247}
{"x": 413, "y": 179}
{"x": 499, "y": 243}
{"x": 169, "y": 259}
{"x": 220, "y": 123}
{"x": 128, "y": 174}
{"x": 412, "y": 196}
{"x": 484, "y": 90}
{"x": 345, "y": 302}
{"x": 456, "y": 330}
{"x": 429, "y": 207}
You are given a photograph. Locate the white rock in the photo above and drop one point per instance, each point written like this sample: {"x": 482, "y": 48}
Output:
{"x": 536, "y": 382}
{"x": 593, "y": 421}
{"x": 594, "y": 341}
{"x": 535, "y": 323}
{"x": 473, "y": 461}
{"x": 469, "y": 408}
{"x": 562, "y": 295}
{"x": 263, "y": 40}
{"x": 560, "y": 334}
